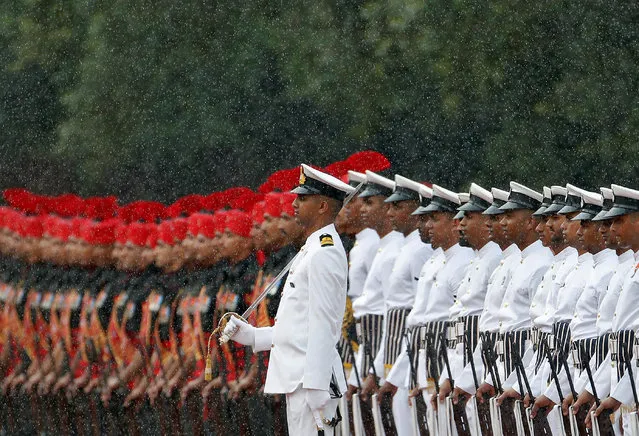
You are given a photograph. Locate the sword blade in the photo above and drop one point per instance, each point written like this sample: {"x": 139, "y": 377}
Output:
{"x": 269, "y": 288}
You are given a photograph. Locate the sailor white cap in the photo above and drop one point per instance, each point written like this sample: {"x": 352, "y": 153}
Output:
{"x": 377, "y": 185}
{"x": 316, "y": 182}
{"x": 500, "y": 197}
{"x": 626, "y": 201}
{"x": 573, "y": 199}
{"x": 405, "y": 189}
{"x": 558, "y": 199}
{"x": 522, "y": 197}
{"x": 443, "y": 200}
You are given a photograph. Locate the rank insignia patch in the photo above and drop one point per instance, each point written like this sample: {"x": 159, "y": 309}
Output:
{"x": 326, "y": 240}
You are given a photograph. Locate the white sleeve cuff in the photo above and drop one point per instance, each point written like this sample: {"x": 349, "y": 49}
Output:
{"x": 263, "y": 339}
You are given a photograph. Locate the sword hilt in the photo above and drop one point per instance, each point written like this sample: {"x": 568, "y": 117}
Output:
{"x": 224, "y": 319}
{"x": 221, "y": 325}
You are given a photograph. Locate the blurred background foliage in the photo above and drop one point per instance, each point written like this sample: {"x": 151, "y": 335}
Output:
{"x": 157, "y": 99}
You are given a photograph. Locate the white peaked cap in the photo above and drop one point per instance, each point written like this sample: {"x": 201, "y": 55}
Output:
{"x": 314, "y": 181}
{"x": 559, "y": 190}
{"x": 499, "y": 194}
{"x": 518, "y": 187}
{"x": 622, "y": 191}
{"x": 607, "y": 193}
{"x": 444, "y": 193}
{"x": 480, "y": 192}
{"x": 574, "y": 190}
{"x": 403, "y": 182}
{"x": 354, "y": 176}
{"x": 372, "y": 177}
{"x": 592, "y": 198}
{"x": 425, "y": 191}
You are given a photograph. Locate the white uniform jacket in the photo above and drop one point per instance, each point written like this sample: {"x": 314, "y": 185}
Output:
{"x": 309, "y": 319}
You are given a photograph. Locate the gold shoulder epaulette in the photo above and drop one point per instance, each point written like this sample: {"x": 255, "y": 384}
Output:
{"x": 326, "y": 240}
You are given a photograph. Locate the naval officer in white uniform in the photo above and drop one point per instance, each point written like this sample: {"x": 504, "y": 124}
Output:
{"x": 304, "y": 363}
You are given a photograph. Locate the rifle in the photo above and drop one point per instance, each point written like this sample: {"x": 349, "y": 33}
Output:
{"x": 363, "y": 409}
{"x": 634, "y": 420}
{"x": 577, "y": 422}
{"x": 482, "y": 408}
{"x": 495, "y": 415}
{"x": 601, "y": 422}
{"x": 459, "y": 409}
{"x": 418, "y": 406}
{"x": 555, "y": 377}
{"x": 505, "y": 412}
{"x": 433, "y": 372}
{"x": 538, "y": 425}
{"x": 384, "y": 405}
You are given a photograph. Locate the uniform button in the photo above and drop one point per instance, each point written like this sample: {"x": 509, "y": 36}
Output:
{"x": 272, "y": 345}
{"x": 505, "y": 304}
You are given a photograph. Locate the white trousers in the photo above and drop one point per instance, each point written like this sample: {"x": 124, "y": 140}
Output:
{"x": 300, "y": 418}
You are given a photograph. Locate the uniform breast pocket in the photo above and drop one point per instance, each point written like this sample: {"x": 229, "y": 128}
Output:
{"x": 294, "y": 298}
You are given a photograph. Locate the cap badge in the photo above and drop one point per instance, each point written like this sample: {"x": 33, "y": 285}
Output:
{"x": 302, "y": 176}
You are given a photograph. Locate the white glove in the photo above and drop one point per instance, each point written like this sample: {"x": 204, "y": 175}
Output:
{"x": 240, "y": 331}
{"x": 317, "y": 399}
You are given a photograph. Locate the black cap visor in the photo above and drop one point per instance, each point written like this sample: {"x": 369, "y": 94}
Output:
{"x": 373, "y": 189}
{"x": 402, "y": 194}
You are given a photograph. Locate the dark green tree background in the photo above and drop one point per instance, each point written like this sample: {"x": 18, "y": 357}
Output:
{"x": 157, "y": 99}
